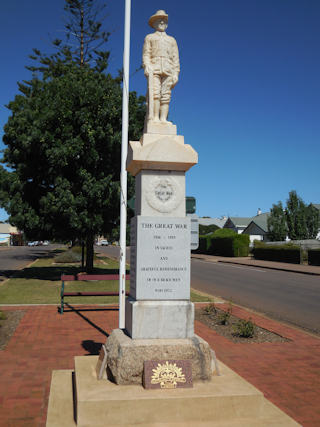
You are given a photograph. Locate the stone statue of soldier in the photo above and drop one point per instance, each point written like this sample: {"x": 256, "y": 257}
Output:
{"x": 161, "y": 65}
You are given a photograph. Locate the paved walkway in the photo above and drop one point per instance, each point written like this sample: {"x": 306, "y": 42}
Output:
{"x": 283, "y": 266}
{"x": 287, "y": 373}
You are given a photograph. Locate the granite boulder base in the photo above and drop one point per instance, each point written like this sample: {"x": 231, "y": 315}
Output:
{"x": 126, "y": 356}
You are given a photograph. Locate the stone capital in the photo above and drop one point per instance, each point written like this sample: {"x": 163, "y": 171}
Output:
{"x": 160, "y": 152}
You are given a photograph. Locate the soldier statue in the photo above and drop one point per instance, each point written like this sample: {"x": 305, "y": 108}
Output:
{"x": 161, "y": 67}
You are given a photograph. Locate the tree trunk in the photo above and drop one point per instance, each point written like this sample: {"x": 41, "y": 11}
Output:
{"x": 81, "y": 39}
{"x": 90, "y": 253}
{"x": 82, "y": 254}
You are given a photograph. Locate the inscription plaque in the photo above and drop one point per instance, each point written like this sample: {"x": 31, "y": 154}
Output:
{"x": 160, "y": 258}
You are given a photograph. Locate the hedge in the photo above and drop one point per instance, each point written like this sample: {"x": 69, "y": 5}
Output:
{"x": 224, "y": 242}
{"x": 282, "y": 253}
{"x": 204, "y": 243}
{"x": 314, "y": 256}
{"x": 233, "y": 246}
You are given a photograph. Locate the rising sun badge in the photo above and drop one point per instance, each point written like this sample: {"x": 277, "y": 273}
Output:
{"x": 168, "y": 375}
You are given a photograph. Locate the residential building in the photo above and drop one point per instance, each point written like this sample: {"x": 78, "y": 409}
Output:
{"x": 258, "y": 227}
{"x": 8, "y": 234}
{"x": 237, "y": 224}
{"x": 212, "y": 221}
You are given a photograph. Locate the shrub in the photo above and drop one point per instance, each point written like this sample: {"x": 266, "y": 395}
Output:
{"x": 210, "y": 308}
{"x": 314, "y": 256}
{"x": 78, "y": 250}
{"x": 207, "y": 229}
{"x": 2, "y": 315}
{"x": 226, "y": 242}
{"x": 244, "y": 328}
{"x": 224, "y": 232}
{"x": 241, "y": 245}
{"x": 204, "y": 243}
{"x": 225, "y": 315}
{"x": 281, "y": 253}
{"x": 68, "y": 256}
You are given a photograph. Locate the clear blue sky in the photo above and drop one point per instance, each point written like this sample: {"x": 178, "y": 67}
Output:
{"x": 248, "y": 98}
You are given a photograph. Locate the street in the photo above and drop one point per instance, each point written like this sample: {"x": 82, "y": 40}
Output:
{"x": 284, "y": 296}
{"x": 17, "y": 257}
{"x": 281, "y": 295}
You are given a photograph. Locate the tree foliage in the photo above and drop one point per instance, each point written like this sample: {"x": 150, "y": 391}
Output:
{"x": 297, "y": 220}
{"x": 277, "y": 226}
{"x": 206, "y": 229}
{"x": 313, "y": 221}
{"x": 63, "y": 143}
{"x": 84, "y": 42}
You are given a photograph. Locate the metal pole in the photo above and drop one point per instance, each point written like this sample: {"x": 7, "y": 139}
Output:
{"x": 123, "y": 178}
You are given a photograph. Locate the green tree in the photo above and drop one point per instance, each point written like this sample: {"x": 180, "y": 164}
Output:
{"x": 206, "y": 229}
{"x": 296, "y": 217}
{"x": 313, "y": 221}
{"x": 83, "y": 44}
{"x": 277, "y": 226}
{"x": 63, "y": 148}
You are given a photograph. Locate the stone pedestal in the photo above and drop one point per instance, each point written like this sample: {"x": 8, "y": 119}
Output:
{"x": 159, "y": 319}
{"x": 160, "y": 152}
{"x": 126, "y": 355}
{"x": 159, "y": 315}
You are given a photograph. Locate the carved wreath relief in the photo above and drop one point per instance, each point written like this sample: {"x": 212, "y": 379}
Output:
{"x": 164, "y": 194}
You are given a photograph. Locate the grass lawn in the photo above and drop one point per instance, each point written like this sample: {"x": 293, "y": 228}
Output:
{"x": 40, "y": 284}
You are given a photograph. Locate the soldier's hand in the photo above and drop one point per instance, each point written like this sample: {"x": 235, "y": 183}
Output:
{"x": 147, "y": 71}
{"x": 174, "y": 80}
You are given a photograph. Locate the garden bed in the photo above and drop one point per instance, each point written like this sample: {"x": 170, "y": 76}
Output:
{"x": 213, "y": 317}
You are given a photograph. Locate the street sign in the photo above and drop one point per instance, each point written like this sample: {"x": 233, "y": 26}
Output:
{"x": 194, "y": 231}
{"x": 190, "y": 205}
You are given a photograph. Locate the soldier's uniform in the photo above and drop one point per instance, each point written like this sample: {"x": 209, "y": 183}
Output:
{"x": 160, "y": 53}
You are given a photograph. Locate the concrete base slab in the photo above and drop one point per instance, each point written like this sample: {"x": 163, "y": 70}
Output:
{"x": 228, "y": 400}
{"x": 60, "y": 407}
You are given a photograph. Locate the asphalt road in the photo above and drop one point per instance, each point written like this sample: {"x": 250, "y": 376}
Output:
{"x": 17, "y": 257}
{"x": 289, "y": 297}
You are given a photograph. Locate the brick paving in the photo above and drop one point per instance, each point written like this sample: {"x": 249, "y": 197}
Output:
{"x": 287, "y": 373}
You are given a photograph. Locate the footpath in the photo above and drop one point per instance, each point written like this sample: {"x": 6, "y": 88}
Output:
{"x": 251, "y": 262}
{"x": 287, "y": 373}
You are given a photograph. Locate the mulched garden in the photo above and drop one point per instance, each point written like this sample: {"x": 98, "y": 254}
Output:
{"x": 235, "y": 329}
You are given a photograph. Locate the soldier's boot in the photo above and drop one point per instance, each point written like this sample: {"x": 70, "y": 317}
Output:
{"x": 164, "y": 110}
{"x": 156, "y": 110}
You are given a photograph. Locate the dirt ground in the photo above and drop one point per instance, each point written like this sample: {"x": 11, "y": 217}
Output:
{"x": 214, "y": 318}
{"x": 8, "y": 326}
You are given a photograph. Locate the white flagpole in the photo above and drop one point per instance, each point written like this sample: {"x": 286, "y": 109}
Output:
{"x": 123, "y": 178}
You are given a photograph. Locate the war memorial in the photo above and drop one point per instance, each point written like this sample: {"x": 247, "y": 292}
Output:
{"x": 157, "y": 371}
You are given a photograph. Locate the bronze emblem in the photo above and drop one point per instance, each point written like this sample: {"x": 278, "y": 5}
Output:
{"x": 167, "y": 375}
